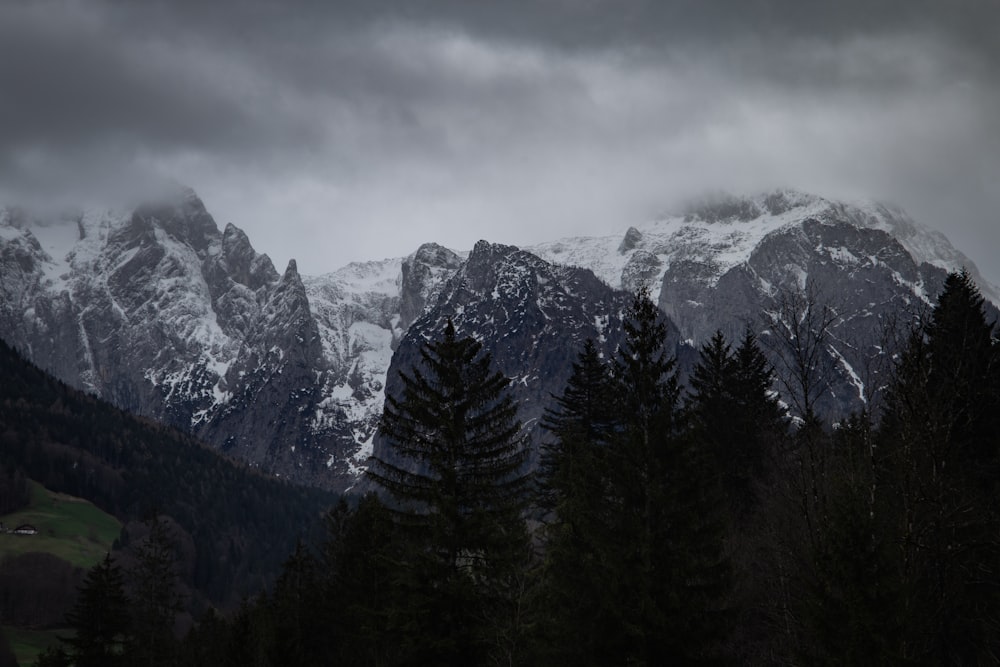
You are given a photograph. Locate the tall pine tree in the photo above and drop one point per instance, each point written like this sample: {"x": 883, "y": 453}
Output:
{"x": 361, "y": 563}
{"x": 582, "y": 421}
{"x": 575, "y": 577}
{"x": 155, "y": 597}
{"x": 940, "y": 452}
{"x": 672, "y": 572}
{"x": 736, "y": 415}
{"x": 100, "y": 619}
{"x": 459, "y": 482}
{"x": 294, "y": 607}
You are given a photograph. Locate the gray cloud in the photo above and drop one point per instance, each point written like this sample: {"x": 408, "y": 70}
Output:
{"x": 337, "y": 131}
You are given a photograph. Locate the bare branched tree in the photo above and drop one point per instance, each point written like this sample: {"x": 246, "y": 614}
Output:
{"x": 800, "y": 330}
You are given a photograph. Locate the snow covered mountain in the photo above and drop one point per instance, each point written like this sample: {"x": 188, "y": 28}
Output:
{"x": 730, "y": 263}
{"x": 723, "y": 233}
{"x": 159, "y": 311}
{"x": 531, "y": 315}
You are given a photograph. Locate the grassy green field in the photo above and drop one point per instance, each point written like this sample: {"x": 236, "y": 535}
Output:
{"x": 27, "y": 644}
{"x": 68, "y": 527}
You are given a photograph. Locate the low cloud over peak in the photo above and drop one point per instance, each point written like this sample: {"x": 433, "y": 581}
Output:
{"x": 351, "y": 130}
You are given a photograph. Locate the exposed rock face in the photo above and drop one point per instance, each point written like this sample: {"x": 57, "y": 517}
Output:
{"x": 632, "y": 238}
{"x": 532, "y": 316}
{"x": 734, "y": 263}
{"x": 160, "y": 312}
{"x": 423, "y": 274}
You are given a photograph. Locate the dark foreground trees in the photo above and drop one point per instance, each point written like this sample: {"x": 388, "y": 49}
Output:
{"x": 635, "y": 568}
{"x": 459, "y": 488}
{"x": 574, "y": 581}
{"x": 100, "y": 619}
{"x": 941, "y": 444}
{"x": 670, "y": 528}
{"x": 890, "y": 554}
{"x": 126, "y": 616}
{"x": 736, "y": 416}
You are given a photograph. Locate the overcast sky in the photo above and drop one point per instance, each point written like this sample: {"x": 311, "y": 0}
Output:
{"x": 341, "y": 131}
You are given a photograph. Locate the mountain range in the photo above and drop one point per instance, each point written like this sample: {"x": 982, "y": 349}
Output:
{"x": 159, "y": 311}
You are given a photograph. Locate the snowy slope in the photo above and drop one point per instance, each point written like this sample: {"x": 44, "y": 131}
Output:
{"x": 357, "y": 312}
{"x": 159, "y": 311}
{"x": 722, "y": 233}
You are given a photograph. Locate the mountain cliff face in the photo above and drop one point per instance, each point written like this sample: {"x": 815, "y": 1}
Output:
{"x": 761, "y": 262}
{"x": 162, "y": 313}
{"x": 531, "y": 315}
{"x": 166, "y": 316}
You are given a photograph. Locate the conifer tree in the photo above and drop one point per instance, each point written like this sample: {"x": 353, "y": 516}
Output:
{"x": 155, "y": 598}
{"x": 572, "y": 488}
{"x": 639, "y": 491}
{"x": 964, "y": 376}
{"x": 581, "y": 423}
{"x": 294, "y": 605}
{"x": 460, "y": 488}
{"x": 940, "y": 444}
{"x": 758, "y": 402}
{"x": 207, "y": 643}
{"x": 847, "y": 597}
{"x": 672, "y": 573}
{"x": 100, "y": 619}
{"x": 251, "y": 636}
{"x": 736, "y": 415}
{"x": 361, "y": 565}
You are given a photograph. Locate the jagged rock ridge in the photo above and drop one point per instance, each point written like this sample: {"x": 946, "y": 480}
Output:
{"x": 162, "y": 313}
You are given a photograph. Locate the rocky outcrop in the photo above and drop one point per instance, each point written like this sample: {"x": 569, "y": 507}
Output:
{"x": 531, "y": 316}
{"x": 423, "y": 274}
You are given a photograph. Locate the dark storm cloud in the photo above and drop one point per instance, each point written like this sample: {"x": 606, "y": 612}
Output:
{"x": 74, "y": 76}
{"x": 369, "y": 123}
{"x": 196, "y": 73}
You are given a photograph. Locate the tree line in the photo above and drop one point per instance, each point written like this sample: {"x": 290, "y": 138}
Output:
{"x": 666, "y": 523}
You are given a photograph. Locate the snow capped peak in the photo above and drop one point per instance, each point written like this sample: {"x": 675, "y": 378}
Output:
{"x": 717, "y": 235}
{"x": 158, "y": 310}
{"x": 633, "y": 237}
{"x": 184, "y": 218}
{"x": 719, "y": 232}
{"x": 727, "y": 208}
{"x": 434, "y": 254}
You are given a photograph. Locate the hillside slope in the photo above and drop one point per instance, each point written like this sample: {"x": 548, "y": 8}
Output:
{"x": 240, "y": 524}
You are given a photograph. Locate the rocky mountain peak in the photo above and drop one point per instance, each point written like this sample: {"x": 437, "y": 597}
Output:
{"x": 632, "y": 238}
{"x": 483, "y": 251}
{"x": 435, "y": 255}
{"x": 158, "y": 311}
{"x": 422, "y": 275}
{"x": 531, "y": 315}
{"x": 500, "y": 271}
{"x": 182, "y": 215}
{"x": 241, "y": 263}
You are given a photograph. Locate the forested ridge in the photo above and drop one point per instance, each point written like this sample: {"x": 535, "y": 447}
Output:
{"x": 232, "y": 525}
{"x": 671, "y": 521}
